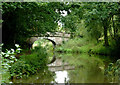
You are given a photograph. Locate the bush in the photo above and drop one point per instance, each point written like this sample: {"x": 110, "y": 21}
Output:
{"x": 21, "y": 68}
{"x": 112, "y": 72}
{"x": 8, "y": 57}
{"x": 35, "y": 59}
{"x": 30, "y": 64}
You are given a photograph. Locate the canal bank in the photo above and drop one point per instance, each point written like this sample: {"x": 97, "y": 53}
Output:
{"x": 72, "y": 68}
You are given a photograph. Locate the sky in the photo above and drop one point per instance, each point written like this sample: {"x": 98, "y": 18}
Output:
{"x": 64, "y": 14}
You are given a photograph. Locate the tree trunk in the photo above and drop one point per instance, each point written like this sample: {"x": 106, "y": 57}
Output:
{"x": 105, "y": 34}
{"x": 114, "y": 27}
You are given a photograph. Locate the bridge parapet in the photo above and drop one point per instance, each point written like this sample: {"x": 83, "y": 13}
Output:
{"x": 57, "y": 38}
{"x": 58, "y": 34}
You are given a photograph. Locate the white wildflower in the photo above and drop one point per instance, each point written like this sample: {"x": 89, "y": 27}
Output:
{"x": 17, "y": 45}
{"x": 12, "y": 50}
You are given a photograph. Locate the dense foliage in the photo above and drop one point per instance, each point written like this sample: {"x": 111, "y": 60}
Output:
{"x": 94, "y": 27}
{"x": 29, "y": 64}
{"x": 23, "y": 20}
{"x": 112, "y": 72}
{"x": 9, "y": 57}
{"x": 96, "y": 22}
{"x": 98, "y": 19}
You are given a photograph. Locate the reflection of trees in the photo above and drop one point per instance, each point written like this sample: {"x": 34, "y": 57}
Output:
{"x": 88, "y": 69}
{"x": 85, "y": 76}
{"x": 42, "y": 77}
{"x": 76, "y": 76}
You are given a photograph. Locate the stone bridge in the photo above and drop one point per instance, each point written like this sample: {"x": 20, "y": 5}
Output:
{"x": 57, "y": 38}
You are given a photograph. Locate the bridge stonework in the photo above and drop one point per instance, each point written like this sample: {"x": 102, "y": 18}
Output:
{"x": 55, "y": 39}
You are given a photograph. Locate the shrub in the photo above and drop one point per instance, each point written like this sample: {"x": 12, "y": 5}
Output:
{"x": 30, "y": 64}
{"x": 21, "y": 68}
{"x": 112, "y": 72}
{"x": 35, "y": 59}
{"x": 8, "y": 57}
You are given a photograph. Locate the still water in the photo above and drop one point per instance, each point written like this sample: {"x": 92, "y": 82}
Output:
{"x": 72, "y": 68}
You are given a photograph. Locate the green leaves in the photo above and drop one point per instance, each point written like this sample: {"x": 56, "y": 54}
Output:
{"x": 29, "y": 64}
{"x": 8, "y": 57}
{"x": 28, "y": 19}
{"x": 112, "y": 71}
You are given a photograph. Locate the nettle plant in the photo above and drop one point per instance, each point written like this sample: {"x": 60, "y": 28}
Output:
{"x": 8, "y": 57}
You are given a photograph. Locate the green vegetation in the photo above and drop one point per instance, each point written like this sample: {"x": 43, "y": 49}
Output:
{"x": 29, "y": 64}
{"x": 83, "y": 45}
{"x": 47, "y": 45}
{"x": 26, "y": 65}
{"x": 72, "y": 45}
{"x": 23, "y": 20}
{"x": 93, "y": 21}
{"x": 113, "y": 72}
{"x": 94, "y": 29}
{"x": 8, "y": 57}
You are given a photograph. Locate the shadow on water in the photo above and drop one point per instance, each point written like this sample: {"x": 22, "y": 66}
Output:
{"x": 87, "y": 69}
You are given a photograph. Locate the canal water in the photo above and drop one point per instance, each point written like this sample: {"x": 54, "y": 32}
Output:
{"x": 72, "y": 68}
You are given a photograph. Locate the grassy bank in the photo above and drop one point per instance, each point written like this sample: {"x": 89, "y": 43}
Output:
{"x": 27, "y": 64}
{"x": 81, "y": 45}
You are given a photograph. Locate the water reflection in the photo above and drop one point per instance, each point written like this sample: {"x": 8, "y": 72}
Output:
{"x": 83, "y": 76}
{"x": 87, "y": 69}
{"x": 61, "y": 76}
{"x": 41, "y": 77}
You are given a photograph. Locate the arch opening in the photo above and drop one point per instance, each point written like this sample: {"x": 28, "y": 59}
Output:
{"x": 49, "y": 45}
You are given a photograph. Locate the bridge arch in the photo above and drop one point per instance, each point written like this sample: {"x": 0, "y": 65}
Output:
{"x": 54, "y": 46}
{"x": 33, "y": 39}
{"x": 56, "y": 39}
{"x": 53, "y": 42}
{"x": 54, "y": 57}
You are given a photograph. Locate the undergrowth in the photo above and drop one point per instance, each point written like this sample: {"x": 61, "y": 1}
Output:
{"x": 82, "y": 45}
{"x": 29, "y": 64}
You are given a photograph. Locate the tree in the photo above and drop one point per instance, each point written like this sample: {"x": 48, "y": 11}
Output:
{"x": 22, "y": 20}
{"x": 98, "y": 16}
{"x": 71, "y": 20}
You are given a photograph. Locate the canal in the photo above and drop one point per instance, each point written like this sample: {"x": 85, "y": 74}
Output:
{"x": 71, "y": 68}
